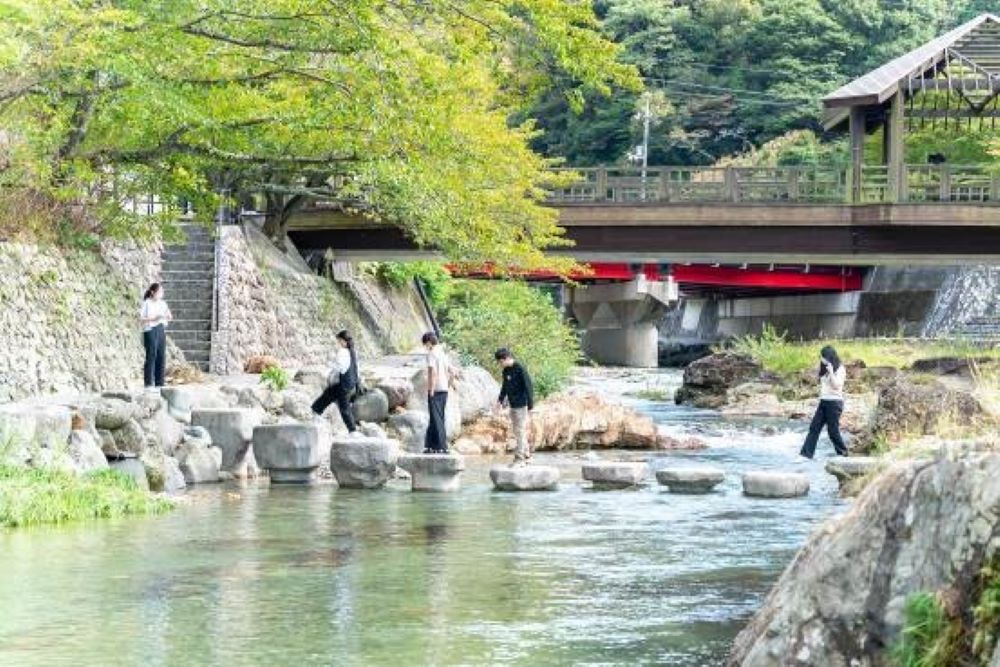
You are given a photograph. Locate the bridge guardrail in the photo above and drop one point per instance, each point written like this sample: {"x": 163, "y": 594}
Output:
{"x": 786, "y": 184}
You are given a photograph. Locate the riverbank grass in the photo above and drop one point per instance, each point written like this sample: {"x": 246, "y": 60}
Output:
{"x": 785, "y": 357}
{"x": 32, "y": 497}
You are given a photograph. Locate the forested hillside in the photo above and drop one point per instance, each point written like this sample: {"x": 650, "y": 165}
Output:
{"x": 727, "y": 76}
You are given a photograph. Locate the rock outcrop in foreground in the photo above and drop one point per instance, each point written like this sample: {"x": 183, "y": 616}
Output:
{"x": 921, "y": 526}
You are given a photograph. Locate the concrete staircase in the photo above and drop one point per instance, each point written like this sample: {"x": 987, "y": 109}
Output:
{"x": 188, "y": 276}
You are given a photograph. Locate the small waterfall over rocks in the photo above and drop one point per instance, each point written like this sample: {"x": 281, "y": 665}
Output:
{"x": 968, "y": 305}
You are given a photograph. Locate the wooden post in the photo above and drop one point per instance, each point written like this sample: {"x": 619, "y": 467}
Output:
{"x": 732, "y": 187}
{"x": 895, "y": 155}
{"x": 793, "y": 183}
{"x": 601, "y": 185}
{"x": 945, "y": 193}
{"x": 994, "y": 187}
{"x": 663, "y": 185}
{"x": 857, "y": 127}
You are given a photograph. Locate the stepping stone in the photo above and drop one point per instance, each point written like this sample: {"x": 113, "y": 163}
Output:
{"x": 762, "y": 484}
{"x": 433, "y": 472}
{"x": 363, "y": 462}
{"x": 524, "y": 478}
{"x": 290, "y": 452}
{"x": 690, "y": 480}
{"x": 614, "y": 474}
{"x": 231, "y": 430}
{"x": 846, "y": 468}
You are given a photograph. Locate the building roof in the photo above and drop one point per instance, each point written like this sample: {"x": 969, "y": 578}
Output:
{"x": 980, "y": 36}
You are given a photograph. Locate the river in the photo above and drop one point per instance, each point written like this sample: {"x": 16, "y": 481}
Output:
{"x": 317, "y": 576}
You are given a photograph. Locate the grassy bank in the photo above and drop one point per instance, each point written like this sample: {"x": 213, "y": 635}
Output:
{"x": 780, "y": 355}
{"x": 32, "y": 497}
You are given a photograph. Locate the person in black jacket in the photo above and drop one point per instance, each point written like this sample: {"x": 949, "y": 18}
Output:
{"x": 518, "y": 393}
{"x": 342, "y": 382}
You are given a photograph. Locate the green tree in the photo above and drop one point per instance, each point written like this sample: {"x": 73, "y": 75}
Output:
{"x": 396, "y": 110}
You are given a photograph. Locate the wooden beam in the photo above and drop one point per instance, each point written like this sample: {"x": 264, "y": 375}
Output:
{"x": 895, "y": 137}
{"x": 952, "y": 113}
{"x": 857, "y": 129}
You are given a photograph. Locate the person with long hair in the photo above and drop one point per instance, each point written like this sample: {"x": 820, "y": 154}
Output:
{"x": 154, "y": 315}
{"x": 832, "y": 376}
{"x": 342, "y": 382}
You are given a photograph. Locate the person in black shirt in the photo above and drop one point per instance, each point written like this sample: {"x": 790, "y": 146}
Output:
{"x": 517, "y": 392}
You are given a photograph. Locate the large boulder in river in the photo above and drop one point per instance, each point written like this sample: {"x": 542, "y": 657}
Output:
{"x": 27, "y": 427}
{"x": 410, "y": 427}
{"x": 86, "y": 452}
{"x": 476, "y": 391}
{"x": 910, "y": 409}
{"x": 231, "y": 431}
{"x": 921, "y": 526}
{"x": 360, "y": 462}
{"x": 707, "y": 380}
{"x": 373, "y": 406}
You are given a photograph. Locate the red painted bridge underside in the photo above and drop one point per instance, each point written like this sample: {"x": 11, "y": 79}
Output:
{"x": 825, "y": 278}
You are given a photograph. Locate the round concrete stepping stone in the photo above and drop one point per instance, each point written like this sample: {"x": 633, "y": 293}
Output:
{"x": 614, "y": 474}
{"x": 690, "y": 479}
{"x": 846, "y": 468}
{"x": 290, "y": 452}
{"x": 761, "y": 484}
{"x": 433, "y": 472}
{"x": 524, "y": 478}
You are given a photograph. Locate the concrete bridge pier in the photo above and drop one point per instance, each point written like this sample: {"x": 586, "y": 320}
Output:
{"x": 620, "y": 319}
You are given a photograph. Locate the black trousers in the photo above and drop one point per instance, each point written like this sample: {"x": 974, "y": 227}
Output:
{"x": 155, "y": 342}
{"x": 336, "y": 393}
{"x": 828, "y": 413}
{"x": 436, "y": 439}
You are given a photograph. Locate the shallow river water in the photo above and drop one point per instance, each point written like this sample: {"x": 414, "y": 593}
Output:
{"x": 317, "y": 576}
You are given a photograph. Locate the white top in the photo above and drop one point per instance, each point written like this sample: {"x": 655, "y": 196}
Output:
{"x": 438, "y": 360}
{"x": 341, "y": 364}
{"x": 831, "y": 385}
{"x": 155, "y": 309}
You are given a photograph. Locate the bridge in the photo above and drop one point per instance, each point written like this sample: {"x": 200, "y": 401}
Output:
{"x": 821, "y": 218}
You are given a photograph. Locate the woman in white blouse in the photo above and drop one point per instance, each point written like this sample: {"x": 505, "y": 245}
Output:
{"x": 832, "y": 376}
{"x": 342, "y": 382}
{"x": 154, "y": 315}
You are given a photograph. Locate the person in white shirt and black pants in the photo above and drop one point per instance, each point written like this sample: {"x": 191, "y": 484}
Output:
{"x": 154, "y": 315}
{"x": 439, "y": 373}
{"x": 342, "y": 382}
{"x": 832, "y": 376}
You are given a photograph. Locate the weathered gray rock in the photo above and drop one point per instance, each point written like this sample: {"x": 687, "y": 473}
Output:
{"x": 371, "y": 430}
{"x": 397, "y": 391}
{"x": 920, "y": 526}
{"x": 199, "y": 463}
{"x": 289, "y": 452}
{"x": 690, "y": 479}
{"x": 433, "y": 472}
{"x": 524, "y": 478}
{"x": 107, "y": 442}
{"x": 614, "y": 474}
{"x": 372, "y": 407}
{"x": 133, "y": 468}
{"x": 43, "y": 426}
{"x": 767, "y": 484}
{"x": 297, "y": 404}
{"x": 179, "y": 403}
{"x": 410, "y": 428}
{"x": 231, "y": 430}
{"x": 129, "y": 439}
{"x": 313, "y": 377}
{"x": 846, "y": 468}
{"x": 85, "y": 452}
{"x": 363, "y": 463}
{"x": 113, "y": 413}
{"x": 452, "y": 412}
{"x": 148, "y": 404}
{"x": 476, "y": 392}
{"x": 708, "y": 380}
{"x": 163, "y": 472}
{"x": 166, "y": 431}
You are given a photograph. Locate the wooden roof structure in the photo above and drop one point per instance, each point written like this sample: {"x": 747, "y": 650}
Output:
{"x": 964, "y": 61}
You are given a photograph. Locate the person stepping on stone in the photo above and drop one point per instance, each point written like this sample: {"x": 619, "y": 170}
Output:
{"x": 518, "y": 393}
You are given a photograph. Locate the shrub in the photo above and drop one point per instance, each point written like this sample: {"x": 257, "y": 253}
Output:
{"x": 275, "y": 377}
{"x": 928, "y": 635}
{"x": 433, "y": 275}
{"x": 30, "y": 497}
{"x": 483, "y": 316}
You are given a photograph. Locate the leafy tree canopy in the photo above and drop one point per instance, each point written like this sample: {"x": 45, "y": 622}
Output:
{"x": 399, "y": 109}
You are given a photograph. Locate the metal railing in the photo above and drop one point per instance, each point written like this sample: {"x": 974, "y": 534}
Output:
{"x": 776, "y": 185}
